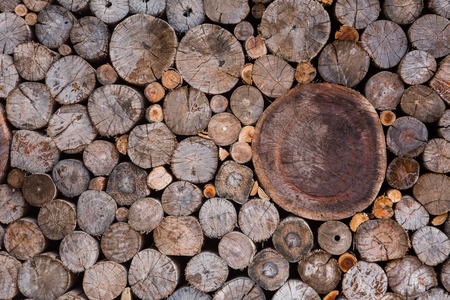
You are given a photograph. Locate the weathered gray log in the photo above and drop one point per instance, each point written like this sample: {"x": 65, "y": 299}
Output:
{"x": 217, "y": 217}
{"x": 145, "y": 214}
{"x": 407, "y": 137}
{"x": 431, "y": 33}
{"x": 444, "y": 125}
{"x": 38, "y": 189}
{"x": 439, "y": 82}
{"x": 9, "y": 268}
{"x": 105, "y": 280}
{"x": 228, "y": 11}
{"x": 431, "y": 245}
{"x": 12, "y": 204}
{"x": 33, "y": 60}
{"x": 23, "y": 239}
{"x": 153, "y": 8}
{"x": 100, "y": 157}
{"x": 71, "y": 177}
{"x": 188, "y": 292}
{"x": 237, "y": 250}
{"x": 440, "y": 7}
{"x": 423, "y": 103}
{"x": 9, "y": 78}
{"x": 184, "y": 15}
{"x": 402, "y": 172}
{"x": 445, "y": 275}
{"x": 247, "y": 104}
{"x": 272, "y": 75}
{"x": 402, "y": 12}
{"x": 95, "y": 212}
{"x": 90, "y": 38}
{"x": 120, "y": 242}
{"x": 109, "y": 12}
{"x": 436, "y": 156}
{"x": 79, "y": 251}
{"x": 57, "y": 219}
{"x": 13, "y": 31}
{"x": 106, "y": 74}
{"x": 417, "y": 67}
{"x": 181, "y": 198}
{"x": 224, "y": 128}
{"x": 243, "y": 30}
{"x": 8, "y": 5}
{"x": 411, "y": 214}
{"x": 79, "y": 6}
{"x": 334, "y": 237}
{"x": 53, "y": 26}
{"x": 206, "y": 271}
{"x": 434, "y": 293}
{"x": 258, "y": 219}
{"x": 357, "y": 13}
{"x": 239, "y": 288}
{"x": 295, "y": 289}
{"x": 431, "y": 190}
{"x": 269, "y": 269}
{"x": 36, "y": 5}
{"x": 371, "y": 279}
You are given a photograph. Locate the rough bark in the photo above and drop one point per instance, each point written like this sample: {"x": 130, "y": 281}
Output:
{"x": 431, "y": 33}
{"x": 90, "y": 38}
{"x": 79, "y": 251}
{"x": 206, "y": 271}
{"x": 411, "y": 214}
{"x": 357, "y": 13}
{"x": 33, "y": 60}
{"x": 13, "y": 31}
{"x": 145, "y": 214}
{"x": 105, "y": 280}
{"x": 57, "y": 219}
{"x": 95, "y": 212}
{"x": 181, "y": 198}
{"x": 407, "y": 137}
{"x": 217, "y": 217}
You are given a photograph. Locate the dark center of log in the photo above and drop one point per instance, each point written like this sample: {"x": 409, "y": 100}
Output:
{"x": 293, "y": 240}
{"x": 270, "y": 270}
{"x": 187, "y": 12}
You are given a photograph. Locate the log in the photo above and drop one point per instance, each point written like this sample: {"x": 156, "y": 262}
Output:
{"x": 195, "y": 160}
{"x": 226, "y": 12}
{"x": 217, "y": 217}
{"x": 357, "y": 13}
{"x": 237, "y": 249}
{"x": 434, "y": 293}
{"x": 178, "y": 236}
{"x": 95, "y": 212}
{"x": 294, "y": 166}
{"x": 384, "y": 90}
{"x": 364, "y": 280}
{"x": 184, "y": 15}
{"x": 44, "y": 277}
{"x": 8, "y": 5}
{"x": 293, "y": 238}
{"x": 346, "y": 261}
{"x": 12, "y": 204}
{"x": 431, "y": 191}
{"x": 320, "y": 271}
{"x": 71, "y": 177}
{"x": 247, "y": 104}
{"x": 64, "y": 50}
{"x": 181, "y": 198}
{"x": 239, "y": 288}
{"x": 258, "y": 219}
{"x": 90, "y": 38}
{"x": 258, "y": 10}
{"x": 21, "y": 10}
{"x": 387, "y": 117}
{"x": 36, "y": 5}
{"x": 97, "y": 183}
{"x": 33, "y": 60}
{"x": 154, "y": 113}
{"x": 9, "y": 78}
{"x": 411, "y": 214}
{"x": 444, "y": 125}
{"x": 295, "y": 289}
{"x": 188, "y": 292}
{"x": 243, "y": 30}
{"x": 15, "y": 178}
{"x": 436, "y": 156}
{"x": 5, "y": 143}
{"x": 439, "y": 7}
{"x": 347, "y": 33}
{"x": 445, "y": 275}
{"x": 31, "y": 19}
{"x": 255, "y": 47}
{"x": 171, "y": 79}
{"x": 100, "y": 157}
{"x": 13, "y": 31}
{"x": 439, "y": 83}
{"x": 423, "y": 103}
{"x": 381, "y": 240}
{"x": 158, "y": 178}
{"x": 407, "y": 137}
{"x": 75, "y": 294}
{"x": 209, "y": 191}
{"x": 210, "y": 59}
{"x": 151, "y": 145}
{"x": 152, "y": 275}
{"x": 335, "y": 238}
{"x": 272, "y": 75}
{"x": 302, "y": 34}
{"x": 79, "y": 251}
{"x": 23, "y": 239}
{"x": 409, "y": 277}
{"x": 305, "y": 72}
{"x": 206, "y": 271}
{"x": 53, "y": 26}
{"x": 105, "y": 280}
{"x": 145, "y": 214}
{"x": 431, "y": 33}
{"x": 337, "y": 66}
{"x": 241, "y": 152}
{"x": 138, "y": 54}
{"x": 394, "y": 194}
{"x": 439, "y": 219}
{"x": 402, "y": 12}
{"x": 153, "y": 8}
{"x": 109, "y": 12}
{"x": 431, "y": 245}
{"x": 417, "y": 67}
{"x": 77, "y": 6}
{"x": 154, "y": 92}
{"x": 234, "y": 182}
{"x": 218, "y": 104}
{"x": 246, "y": 134}
{"x": 38, "y": 189}
{"x": 57, "y": 219}
{"x": 269, "y": 269}
{"x": 122, "y": 214}
{"x": 224, "y": 128}
{"x": 106, "y": 74}
{"x": 120, "y": 242}
{"x": 186, "y": 111}
{"x": 402, "y": 173}
{"x": 9, "y": 268}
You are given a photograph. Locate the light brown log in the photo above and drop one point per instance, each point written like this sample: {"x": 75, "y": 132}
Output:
{"x": 247, "y": 104}
{"x": 346, "y": 261}
{"x": 295, "y": 289}
{"x": 209, "y": 191}
{"x": 217, "y": 217}
{"x": 439, "y": 219}
{"x": 181, "y": 198}
{"x": 423, "y": 103}
{"x": 432, "y": 190}
{"x": 33, "y": 60}
{"x": 31, "y": 19}
{"x": 239, "y": 288}
{"x": 411, "y": 214}
{"x": 431, "y": 33}
{"x": 153, "y": 8}
{"x": 9, "y": 78}
{"x": 154, "y": 113}
{"x": 151, "y": 145}
{"x": 23, "y": 239}
{"x": 64, "y": 50}
{"x": 272, "y": 75}
{"x": 255, "y": 47}
{"x": 120, "y": 242}
{"x": 226, "y": 12}
{"x": 79, "y": 251}
{"x": 224, "y": 128}
{"x": 105, "y": 280}
{"x": 98, "y": 183}
{"x": 218, "y": 103}
{"x": 402, "y": 12}
{"x": 269, "y": 269}
{"x": 159, "y": 178}
{"x": 90, "y": 38}
{"x": 246, "y": 134}
{"x": 206, "y": 271}
{"x": 237, "y": 250}
{"x": 407, "y": 137}
{"x": 122, "y": 214}
{"x": 100, "y": 157}
{"x": 417, "y": 67}
{"x": 357, "y": 13}
{"x": 13, "y": 31}
{"x": 241, "y": 152}
{"x": 110, "y": 12}
{"x": 38, "y": 189}
{"x": 364, "y": 281}
{"x": 431, "y": 245}
{"x": 53, "y": 26}
{"x": 402, "y": 172}
{"x": 243, "y": 30}
{"x": 71, "y": 177}
{"x": 305, "y": 72}
{"x": 12, "y": 204}
{"x": 409, "y": 277}
{"x": 334, "y": 237}
{"x": 234, "y": 182}
{"x": 258, "y": 219}
{"x": 152, "y": 275}
{"x": 95, "y": 212}
{"x": 154, "y": 92}
{"x": 184, "y": 15}
{"x": 9, "y": 268}
{"x": 188, "y": 292}
{"x": 138, "y": 54}
{"x": 357, "y": 220}
{"x": 171, "y": 79}
{"x": 204, "y": 64}
{"x": 439, "y": 82}
{"x": 223, "y": 154}
{"x": 36, "y": 5}
{"x": 436, "y": 156}
{"x": 145, "y": 214}
{"x": 387, "y": 117}
{"x": 320, "y": 271}
{"x": 347, "y": 33}
{"x": 394, "y": 194}
{"x": 57, "y": 219}
{"x": 106, "y": 74}
{"x": 445, "y": 275}
{"x": 79, "y": 6}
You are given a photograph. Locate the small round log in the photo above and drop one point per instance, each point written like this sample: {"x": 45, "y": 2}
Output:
{"x": 153, "y": 8}
{"x": 217, "y": 217}
{"x": 431, "y": 33}
{"x": 295, "y": 289}
{"x": 21, "y": 10}
{"x": 122, "y": 214}
{"x": 79, "y": 251}
{"x": 234, "y": 181}
{"x": 31, "y": 19}
{"x": 181, "y": 198}
{"x": 255, "y": 47}
{"x": 98, "y": 183}
{"x": 241, "y": 152}
{"x": 106, "y": 74}
{"x": 444, "y": 125}
{"x": 407, "y": 137}
{"x": 247, "y": 104}
{"x": 100, "y": 157}
{"x": 237, "y": 250}
{"x": 402, "y": 173}
{"x": 145, "y": 214}
{"x": 422, "y": 103}
{"x": 224, "y": 128}
{"x": 184, "y": 15}
{"x": 171, "y": 79}
{"x": 387, "y": 117}
{"x": 305, "y": 72}
{"x": 57, "y": 219}
{"x": 79, "y": 6}
{"x": 64, "y": 50}
{"x": 334, "y": 237}
{"x": 272, "y": 75}
{"x": 357, "y": 13}
{"x": 439, "y": 82}
{"x": 95, "y": 212}
{"x": 239, "y": 288}
{"x": 243, "y": 30}
{"x": 23, "y": 239}
{"x": 346, "y": 261}
{"x": 105, "y": 280}
{"x": 120, "y": 242}
{"x": 188, "y": 292}
{"x": 71, "y": 177}
{"x": 90, "y": 38}
{"x": 417, "y": 67}
{"x": 269, "y": 269}
{"x": 9, "y": 268}
{"x": 12, "y": 204}
{"x": 410, "y": 214}
{"x": 431, "y": 245}
{"x": 402, "y": 12}
{"x": 218, "y": 103}
{"x": 364, "y": 281}
{"x": 159, "y": 178}
{"x": 38, "y": 189}
{"x": 10, "y": 77}
{"x": 154, "y": 92}
{"x": 13, "y": 31}
{"x": 258, "y": 219}
{"x": 206, "y": 271}
{"x": 436, "y": 156}
{"x": 209, "y": 191}
{"x": 33, "y": 60}
{"x": 53, "y": 26}
{"x": 227, "y": 11}
{"x": 154, "y": 113}
{"x": 110, "y": 12}
{"x": 15, "y": 178}
{"x": 431, "y": 191}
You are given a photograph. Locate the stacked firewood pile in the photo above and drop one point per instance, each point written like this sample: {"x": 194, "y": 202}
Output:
{"x": 224, "y": 149}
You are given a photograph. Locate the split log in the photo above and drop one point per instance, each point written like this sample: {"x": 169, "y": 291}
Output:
{"x": 8, "y": 5}
{"x": 417, "y": 67}
{"x": 295, "y": 289}
{"x": 402, "y": 12}
{"x": 269, "y": 269}
{"x": 293, "y": 238}
{"x": 120, "y": 242}
{"x": 142, "y": 48}
{"x": 33, "y": 60}
{"x": 243, "y": 30}
{"x": 445, "y": 275}
{"x": 188, "y": 292}
{"x": 195, "y": 160}
{"x": 409, "y": 277}
{"x": 153, "y": 8}
{"x": 439, "y": 83}
{"x": 145, "y": 214}
{"x": 320, "y": 271}
{"x": 158, "y": 178}
{"x": 152, "y": 275}
{"x": 181, "y": 198}
{"x": 381, "y": 240}
{"x": 239, "y": 288}
{"x": 217, "y": 217}
{"x": 411, "y": 214}
{"x": 15, "y": 178}
{"x": 423, "y": 103}
{"x": 127, "y": 183}
{"x": 106, "y": 74}
{"x": 407, "y": 137}
{"x": 224, "y": 128}
{"x": 382, "y": 208}
{"x": 105, "y": 280}
{"x": 206, "y": 271}
{"x": 357, "y": 13}
{"x": 186, "y": 111}
{"x": 234, "y": 181}
{"x": 402, "y": 173}
{"x": 436, "y": 156}
{"x": 71, "y": 177}
{"x": 53, "y": 26}
{"x": 36, "y": 5}
{"x": 110, "y": 12}
{"x": 9, "y": 78}
{"x": 241, "y": 152}
{"x": 23, "y": 239}
{"x": 255, "y": 47}
{"x": 44, "y": 277}
{"x": 154, "y": 92}
{"x": 210, "y": 59}
{"x": 431, "y": 245}
{"x": 90, "y": 38}
{"x": 71, "y": 129}
{"x": 100, "y": 157}
{"x": 364, "y": 281}
{"x": 439, "y": 219}
{"x": 9, "y": 268}
{"x": 95, "y": 212}
{"x": 334, "y": 237}
{"x": 258, "y": 219}
{"x": 431, "y": 190}
{"x": 246, "y": 134}
{"x": 79, "y": 251}
{"x": 431, "y": 33}
{"x": 227, "y": 12}
{"x": 272, "y": 75}
{"x": 218, "y": 104}
{"x": 302, "y": 34}
{"x": 79, "y": 6}
{"x": 247, "y": 104}
{"x": 237, "y": 250}
{"x": 305, "y": 72}
{"x": 13, "y": 31}
{"x": 38, "y": 189}
{"x": 337, "y": 66}
{"x": 57, "y": 219}
{"x": 12, "y": 204}
{"x": 178, "y": 236}
{"x": 184, "y": 15}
